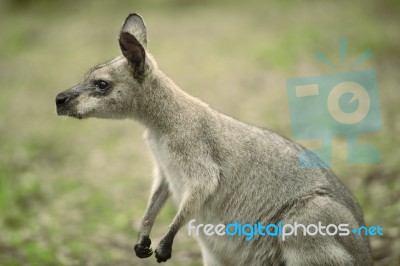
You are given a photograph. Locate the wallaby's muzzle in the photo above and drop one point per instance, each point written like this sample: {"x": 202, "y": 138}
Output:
{"x": 66, "y": 102}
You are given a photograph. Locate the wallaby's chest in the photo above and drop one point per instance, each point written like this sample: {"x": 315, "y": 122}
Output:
{"x": 170, "y": 166}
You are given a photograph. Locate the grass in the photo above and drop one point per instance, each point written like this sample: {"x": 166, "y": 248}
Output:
{"x": 73, "y": 192}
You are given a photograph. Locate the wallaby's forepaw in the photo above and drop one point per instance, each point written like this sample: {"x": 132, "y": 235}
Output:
{"x": 143, "y": 249}
{"x": 163, "y": 251}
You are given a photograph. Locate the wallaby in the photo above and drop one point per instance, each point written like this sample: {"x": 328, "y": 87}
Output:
{"x": 218, "y": 169}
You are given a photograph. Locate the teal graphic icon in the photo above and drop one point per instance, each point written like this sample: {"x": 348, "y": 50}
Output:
{"x": 342, "y": 104}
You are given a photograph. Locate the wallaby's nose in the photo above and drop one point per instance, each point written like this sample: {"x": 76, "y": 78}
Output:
{"x": 61, "y": 99}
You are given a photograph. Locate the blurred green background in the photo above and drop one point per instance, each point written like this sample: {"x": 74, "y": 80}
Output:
{"x": 73, "y": 192}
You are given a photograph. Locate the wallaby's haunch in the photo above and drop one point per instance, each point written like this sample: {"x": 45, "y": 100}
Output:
{"x": 218, "y": 169}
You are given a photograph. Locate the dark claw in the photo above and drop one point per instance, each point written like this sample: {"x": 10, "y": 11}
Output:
{"x": 163, "y": 252}
{"x": 143, "y": 249}
{"x": 143, "y": 252}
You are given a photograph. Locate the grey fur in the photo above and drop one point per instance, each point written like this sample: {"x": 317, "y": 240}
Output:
{"x": 218, "y": 169}
{"x": 134, "y": 24}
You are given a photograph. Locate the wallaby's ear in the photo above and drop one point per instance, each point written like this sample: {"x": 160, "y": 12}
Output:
{"x": 134, "y": 52}
{"x": 133, "y": 41}
{"x": 134, "y": 24}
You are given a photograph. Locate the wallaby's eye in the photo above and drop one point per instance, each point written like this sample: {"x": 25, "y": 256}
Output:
{"x": 101, "y": 84}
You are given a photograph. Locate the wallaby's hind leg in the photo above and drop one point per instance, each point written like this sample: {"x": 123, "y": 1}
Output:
{"x": 334, "y": 250}
{"x": 326, "y": 253}
{"x": 207, "y": 257}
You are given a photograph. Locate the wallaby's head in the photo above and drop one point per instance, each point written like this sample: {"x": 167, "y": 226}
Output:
{"x": 108, "y": 90}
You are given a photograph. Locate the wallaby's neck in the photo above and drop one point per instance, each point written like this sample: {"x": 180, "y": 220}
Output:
{"x": 164, "y": 108}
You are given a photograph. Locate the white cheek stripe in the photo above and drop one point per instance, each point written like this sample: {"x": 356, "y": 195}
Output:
{"x": 87, "y": 105}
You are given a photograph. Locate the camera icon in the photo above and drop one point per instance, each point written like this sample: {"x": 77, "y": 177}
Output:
{"x": 343, "y": 104}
